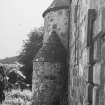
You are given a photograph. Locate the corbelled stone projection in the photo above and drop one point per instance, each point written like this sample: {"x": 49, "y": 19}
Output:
{"x": 50, "y": 71}
{"x": 74, "y": 35}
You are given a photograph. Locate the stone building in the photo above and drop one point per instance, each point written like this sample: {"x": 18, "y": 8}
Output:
{"x": 87, "y": 73}
{"x": 74, "y": 29}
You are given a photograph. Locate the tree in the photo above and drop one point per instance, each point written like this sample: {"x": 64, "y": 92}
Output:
{"x": 30, "y": 49}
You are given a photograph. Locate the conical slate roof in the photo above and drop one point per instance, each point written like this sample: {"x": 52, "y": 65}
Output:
{"x": 52, "y": 51}
{"x": 57, "y": 4}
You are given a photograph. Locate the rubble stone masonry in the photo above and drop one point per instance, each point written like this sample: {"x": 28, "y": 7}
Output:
{"x": 49, "y": 66}
{"x": 87, "y": 77}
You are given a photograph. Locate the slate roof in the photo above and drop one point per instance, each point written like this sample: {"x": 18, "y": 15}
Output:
{"x": 57, "y": 4}
{"x": 52, "y": 51}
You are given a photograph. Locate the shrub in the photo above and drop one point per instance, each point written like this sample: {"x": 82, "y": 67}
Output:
{"x": 18, "y": 97}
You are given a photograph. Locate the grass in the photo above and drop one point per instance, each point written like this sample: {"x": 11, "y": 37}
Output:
{"x": 18, "y": 97}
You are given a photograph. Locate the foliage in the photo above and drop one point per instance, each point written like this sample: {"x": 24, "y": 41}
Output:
{"x": 30, "y": 49}
{"x": 12, "y": 73}
{"x": 18, "y": 97}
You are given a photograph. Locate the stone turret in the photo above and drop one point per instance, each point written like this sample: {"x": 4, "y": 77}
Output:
{"x": 56, "y": 18}
{"x": 49, "y": 65}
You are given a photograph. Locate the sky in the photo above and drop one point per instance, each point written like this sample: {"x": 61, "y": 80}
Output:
{"x": 17, "y": 19}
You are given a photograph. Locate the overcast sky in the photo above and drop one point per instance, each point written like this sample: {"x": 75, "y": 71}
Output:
{"x": 17, "y": 19}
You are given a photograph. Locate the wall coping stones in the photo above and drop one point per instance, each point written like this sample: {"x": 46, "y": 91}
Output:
{"x": 54, "y": 9}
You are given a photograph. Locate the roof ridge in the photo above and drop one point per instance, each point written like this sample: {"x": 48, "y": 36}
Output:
{"x": 57, "y": 4}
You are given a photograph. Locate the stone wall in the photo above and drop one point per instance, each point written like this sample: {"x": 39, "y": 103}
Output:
{"x": 47, "y": 83}
{"x": 87, "y": 82}
{"x": 79, "y": 52}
